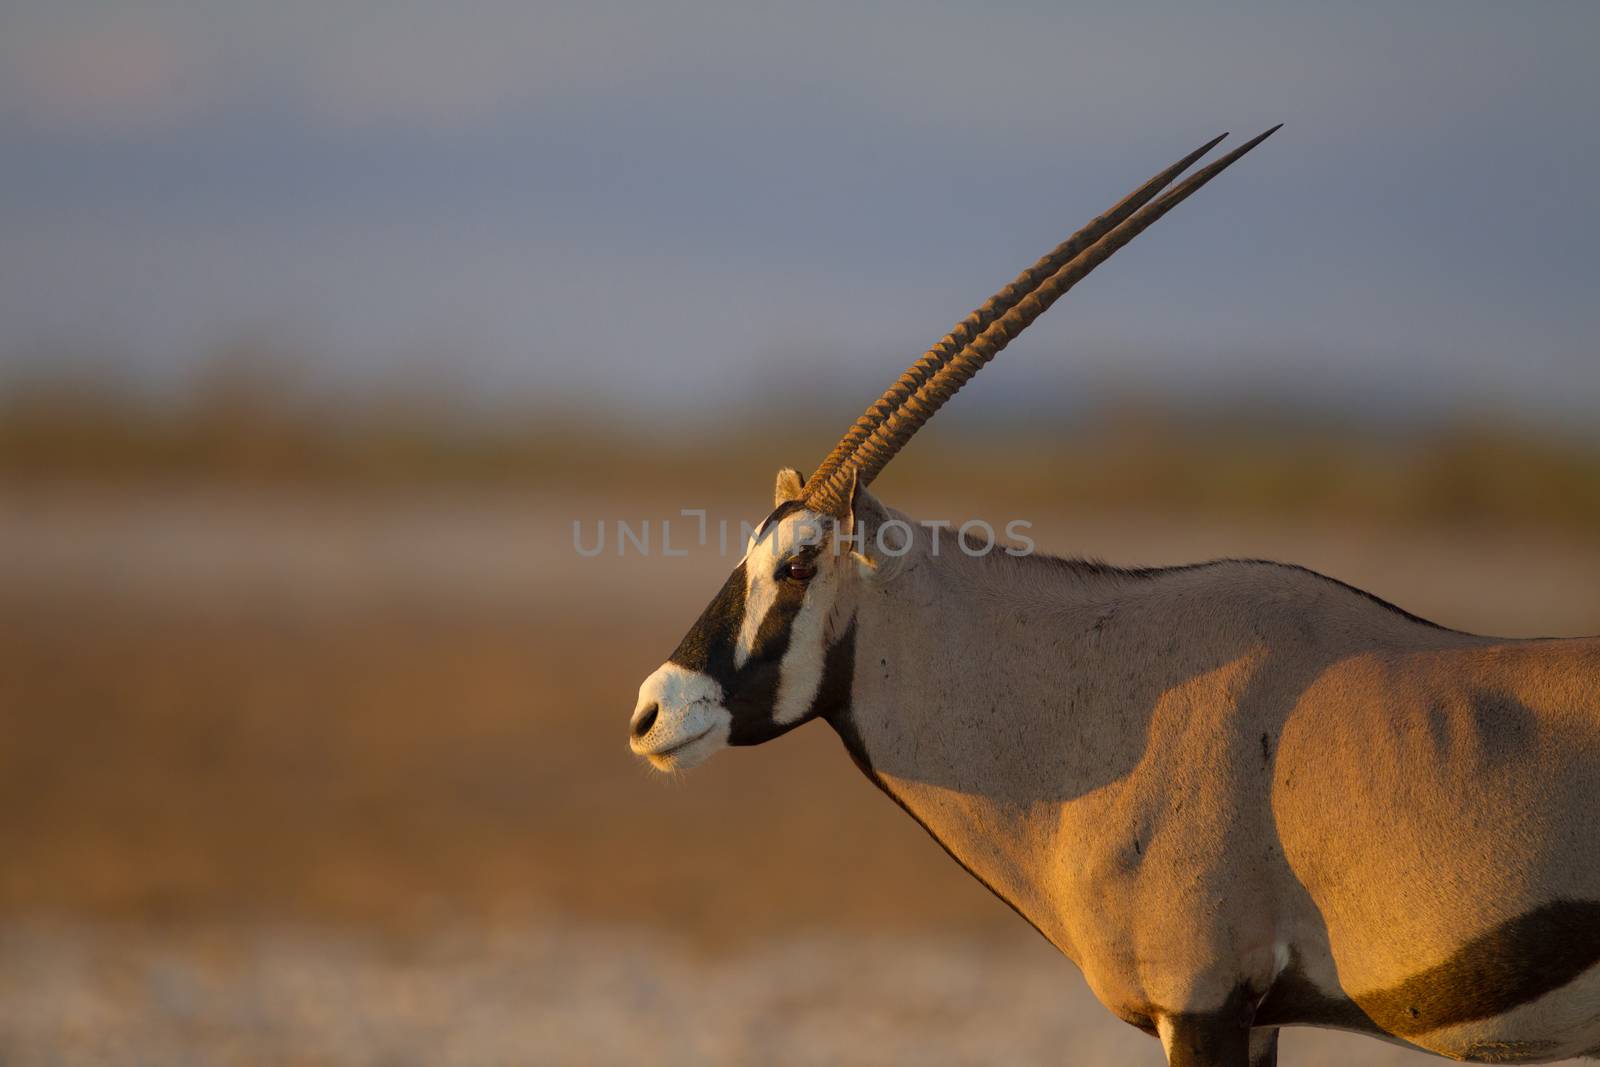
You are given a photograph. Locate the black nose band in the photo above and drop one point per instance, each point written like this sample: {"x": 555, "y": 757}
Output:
{"x": 708, "y": 646}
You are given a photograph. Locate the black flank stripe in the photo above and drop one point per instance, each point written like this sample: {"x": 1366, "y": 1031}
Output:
{"x": 1518, "y": 961}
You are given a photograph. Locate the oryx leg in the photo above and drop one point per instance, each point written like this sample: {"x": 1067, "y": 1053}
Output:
{"x": 1220, "y": 1039}
{"x": 1264, "y": 1047}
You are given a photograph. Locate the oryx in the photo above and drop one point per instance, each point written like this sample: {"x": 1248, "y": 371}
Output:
{"x": 1239, "y": 795}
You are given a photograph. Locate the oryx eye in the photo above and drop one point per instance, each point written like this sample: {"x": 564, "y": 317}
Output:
{"x": 797, "y": 570}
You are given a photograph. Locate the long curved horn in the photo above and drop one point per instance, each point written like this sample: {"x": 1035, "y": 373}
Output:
{"x": 830, "y": 494}
{"x": 997, "y": 305}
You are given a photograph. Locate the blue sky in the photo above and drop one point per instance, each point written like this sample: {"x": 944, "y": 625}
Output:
{"x": 687, "y": 204}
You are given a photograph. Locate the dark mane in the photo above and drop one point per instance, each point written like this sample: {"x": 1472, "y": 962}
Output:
{"x": 1093, "y": 568}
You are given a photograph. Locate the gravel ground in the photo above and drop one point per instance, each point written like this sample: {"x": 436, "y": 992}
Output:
{"x": 553, "y": 994}
{"x": 356, "y": 714}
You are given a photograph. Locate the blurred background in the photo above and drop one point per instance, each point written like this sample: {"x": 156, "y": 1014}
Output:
{"x": 322, "y": 325}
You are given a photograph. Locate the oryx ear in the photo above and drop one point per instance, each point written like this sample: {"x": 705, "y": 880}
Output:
{"x": 788, "y": 487}
{"x": 861, "y": 524}
{"x": 858, "y": 496}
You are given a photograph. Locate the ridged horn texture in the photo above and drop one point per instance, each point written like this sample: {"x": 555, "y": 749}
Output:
{"x": 997, "y": 305}
{"x": 886, "y": 427}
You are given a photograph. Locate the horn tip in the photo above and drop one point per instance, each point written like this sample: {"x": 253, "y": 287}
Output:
{"x": 1257, "y": 139}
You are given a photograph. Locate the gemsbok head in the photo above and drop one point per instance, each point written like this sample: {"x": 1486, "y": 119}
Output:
{"x": 755, "y": 664}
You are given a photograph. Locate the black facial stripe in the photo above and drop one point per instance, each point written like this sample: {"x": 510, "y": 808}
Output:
{"x": 753, "y": 689}
{"x": 750, "y": 691}
{"x": 778, "y": 513}
{"x": 752, "y": 708}
{"x": 772, "y": 636}
{"x": 708, "y": 646}
{"x": 838, "y": 676}
{"x": 751, "y": 703}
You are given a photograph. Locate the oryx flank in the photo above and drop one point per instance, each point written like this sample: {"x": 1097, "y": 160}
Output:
{"x": 1239, "y": 795}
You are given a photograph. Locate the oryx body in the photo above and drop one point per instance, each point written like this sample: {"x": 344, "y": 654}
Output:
{"x": 1239, "y": 795}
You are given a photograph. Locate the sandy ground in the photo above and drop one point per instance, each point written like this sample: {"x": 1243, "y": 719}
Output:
{"x": 290, "y": 779}
{"x": 560, "y": 993}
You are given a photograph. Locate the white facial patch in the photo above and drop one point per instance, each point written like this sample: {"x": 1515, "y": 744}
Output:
{"x": 690, "y": 722}
{"x": 761, "y": 558}
{"x": 760, "y": 593}
{"x": 800, "y": 673}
